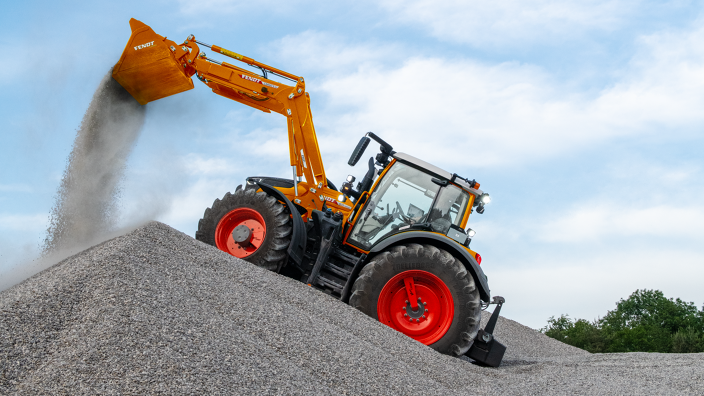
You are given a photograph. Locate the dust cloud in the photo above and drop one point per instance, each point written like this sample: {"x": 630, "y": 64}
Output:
{"x": 86, "y": 207}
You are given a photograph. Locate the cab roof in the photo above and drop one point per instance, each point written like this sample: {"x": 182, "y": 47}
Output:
{"x": 435, "y": 171}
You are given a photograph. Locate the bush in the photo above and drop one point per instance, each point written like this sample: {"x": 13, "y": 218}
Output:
{"x": 580, "y": 333}
{"x": 645, "y": 322}
{"x": 687, "y": 340}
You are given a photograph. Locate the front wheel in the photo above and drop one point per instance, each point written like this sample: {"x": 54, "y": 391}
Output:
{"x": 423, "y": 292}
{"x": 249, "y": 225}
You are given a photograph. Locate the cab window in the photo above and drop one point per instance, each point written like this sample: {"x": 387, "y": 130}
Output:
{"x": 449, "y": 209}
{"x": 403, "y": 197}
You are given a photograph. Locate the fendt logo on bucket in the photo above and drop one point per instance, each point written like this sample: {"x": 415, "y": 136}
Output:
{"x": 145, "y": 45}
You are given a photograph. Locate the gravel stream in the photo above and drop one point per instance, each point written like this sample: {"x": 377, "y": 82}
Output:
{"x": 86, "y": 204}
{"x": 157, "y": 312}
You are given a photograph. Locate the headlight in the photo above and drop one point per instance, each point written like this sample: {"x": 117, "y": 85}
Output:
{"x": 350, "y": 179}
{"x": 485, "y": 199}
{"x": 471, "y": 232}
{"x": 342, "y": 198}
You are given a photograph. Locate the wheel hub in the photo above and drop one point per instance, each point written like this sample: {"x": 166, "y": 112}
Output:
{"x": 242, "y": 235}
{"x": 418, "y": 314}
{"x": 240, "y": 232}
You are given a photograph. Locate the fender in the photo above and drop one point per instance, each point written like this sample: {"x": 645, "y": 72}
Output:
{"x": 298, "y": 235}
{"x": 442, "y": 242}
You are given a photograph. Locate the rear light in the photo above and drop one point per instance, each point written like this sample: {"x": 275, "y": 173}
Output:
{"x": 478, "y": 257}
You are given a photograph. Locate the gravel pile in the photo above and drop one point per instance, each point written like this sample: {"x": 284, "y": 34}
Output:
{"x": 156, "y": 312}
{"x": 526, "y": 343}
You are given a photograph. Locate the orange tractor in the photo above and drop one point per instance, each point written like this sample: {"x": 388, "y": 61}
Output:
{"x": 396, "y": 246}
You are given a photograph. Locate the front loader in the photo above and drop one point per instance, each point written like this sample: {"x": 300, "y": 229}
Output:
{"x": 395, "y": 246}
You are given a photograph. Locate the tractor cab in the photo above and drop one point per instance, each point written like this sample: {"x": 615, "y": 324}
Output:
{"x": 409, "y": 198}
{"x": 412, "y": 195}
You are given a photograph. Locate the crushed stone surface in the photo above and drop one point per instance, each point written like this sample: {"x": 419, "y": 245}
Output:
{"x": 527, "y": 343}
{"x": 157, "y": 312}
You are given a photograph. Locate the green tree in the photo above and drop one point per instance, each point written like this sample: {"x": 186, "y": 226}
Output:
{"x": 646, "y": 321}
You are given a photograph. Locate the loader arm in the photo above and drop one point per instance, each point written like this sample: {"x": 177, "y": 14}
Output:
{"x": 153, "y": 67}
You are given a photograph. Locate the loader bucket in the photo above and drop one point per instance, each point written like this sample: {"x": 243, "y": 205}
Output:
{"x": 147, "y": 68}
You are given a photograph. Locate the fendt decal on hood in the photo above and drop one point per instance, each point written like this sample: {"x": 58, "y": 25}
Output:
{"x": 258, "y": 81}
{"x": 332, "y": 200}
{"x": 145, "y": 45}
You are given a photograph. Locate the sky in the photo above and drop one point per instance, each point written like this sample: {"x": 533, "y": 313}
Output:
{"x": 583, "y": 120}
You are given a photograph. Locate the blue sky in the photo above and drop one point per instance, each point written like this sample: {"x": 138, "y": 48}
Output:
{"x": 583, "y": 119}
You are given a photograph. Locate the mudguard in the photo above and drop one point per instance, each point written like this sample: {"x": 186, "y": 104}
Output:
{"x": 298, "y": 236}
{"x": 442, "y": 242}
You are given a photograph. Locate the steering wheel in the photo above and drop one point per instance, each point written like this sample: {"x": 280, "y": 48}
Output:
{"x": 399, "y": 214}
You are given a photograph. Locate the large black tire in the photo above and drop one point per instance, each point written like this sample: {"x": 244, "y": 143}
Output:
{"x": 272, "y": 253}
{"x": 467, "y": 309}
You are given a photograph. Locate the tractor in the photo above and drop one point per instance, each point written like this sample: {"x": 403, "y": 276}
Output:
{"x": 395, "y": 245}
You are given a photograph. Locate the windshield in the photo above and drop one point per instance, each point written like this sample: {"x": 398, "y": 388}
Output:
{"x": 403, "y": 197}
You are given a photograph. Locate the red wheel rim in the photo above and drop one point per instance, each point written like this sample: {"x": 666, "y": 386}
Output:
{"x": 435, "y": 297}
{"x": 249, "y": 218}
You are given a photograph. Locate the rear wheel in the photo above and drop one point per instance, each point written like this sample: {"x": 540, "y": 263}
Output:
{"x": 423, "y": 292}
{"x": 250, "y": 225}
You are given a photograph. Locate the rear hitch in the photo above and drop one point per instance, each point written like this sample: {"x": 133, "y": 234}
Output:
{"x": 486, "y": 350}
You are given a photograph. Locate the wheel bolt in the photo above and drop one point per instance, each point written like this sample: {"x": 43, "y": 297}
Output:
{"x": 423, "y": 316}
{"x": 426, "y": 310}
{"x": 406, "y": 301}
{"x": 403, "y": 308}
{"x": 410, "y": 319}
{"x": 417, "y": 320}
{"x": 419, "y": 299}
{"x": 425, "y": 303}
{"x": 405, "y": 314}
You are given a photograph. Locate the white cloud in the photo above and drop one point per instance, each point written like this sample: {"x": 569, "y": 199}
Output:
{"x": 261, "y": 145}
{"x": 663, "y": 87}
{"x": 24, "y": 222}
{"x": 208, "y": 6}
{"x": 227, "y": 7}
{"x": 47, "y": 73}
{"x": 602, "y": 222}
{"x": 463, "y": 110}
{"x": 201, "y": 166}
{"x": 513, "y": 22}
{"x": 188, "y": 206}
{"x": 646, "y": 171}
{"x": 317, "y": 52}
{"x": 509, "y": 113}
{"x": 588, "y": 286}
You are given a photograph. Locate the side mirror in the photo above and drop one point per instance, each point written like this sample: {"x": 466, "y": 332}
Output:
{"x": 358, "y": 151}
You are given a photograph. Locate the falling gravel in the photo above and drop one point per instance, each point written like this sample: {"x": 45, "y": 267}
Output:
{"x": 86, "y": 202}
{"x": 156, "y": 312}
